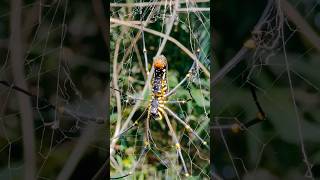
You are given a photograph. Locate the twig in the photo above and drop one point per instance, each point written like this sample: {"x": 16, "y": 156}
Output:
{"x": 134, "y": 109}
{"x": 303, "y": 26}
{"x": 192, "y": 9}
{"x": 115, "y": 82}
{"x": 17, "y": 62}
{"x": 242, "y": 52}
{"x": 46, "y": 105}
{"x": 173, "y": 40}
{"x": 169, "y": 28}
{"x": 144, "y": 4}
{"x": 84, "y": 141}
{"x": 136, "y": 38}
{"x": 230, "y": 65}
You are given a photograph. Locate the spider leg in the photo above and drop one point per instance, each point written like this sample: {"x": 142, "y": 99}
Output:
{"x": 177, "y": 144}
{"x": 135, "y": 124}
{"x": 143, "y": 152}
{"x": 177, "y": 101}
{"x": 186, "y": 126}
{"x": 181, "y": 82}
{"x": 128, "y": 97}
{"x": 146, "y": 142}
{"x": 144, "y": 149}
{"x": 190, "y": 73}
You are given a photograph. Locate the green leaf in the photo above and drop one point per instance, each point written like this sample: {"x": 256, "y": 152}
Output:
{"x": 200, "y": 99}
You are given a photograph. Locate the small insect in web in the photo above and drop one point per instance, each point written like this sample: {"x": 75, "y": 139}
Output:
{"x": 158, "y": 110}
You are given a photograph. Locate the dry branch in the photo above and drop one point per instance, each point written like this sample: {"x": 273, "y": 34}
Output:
{"x": 17, "y": 61}
{"x": 173, "y": 40}
{"x": 145, "y": 4}
{"x": 242, "y": 52}
{"x": 302, "y": 25}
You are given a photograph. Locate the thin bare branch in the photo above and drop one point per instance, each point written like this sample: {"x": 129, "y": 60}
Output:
{"x": 173, "y": 40}
{"x": 169, "y": 28}
{"x": 145, "y": 4}
{"x": 187, "y": 10}
{"x": 242, "y": 52}
{"x": 84, "y": 141}
{"x": 303, "y": 26}
{"x": 17, "y": 61}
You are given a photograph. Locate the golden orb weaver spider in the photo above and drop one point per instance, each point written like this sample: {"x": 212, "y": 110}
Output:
{"x": 158, "y": 110}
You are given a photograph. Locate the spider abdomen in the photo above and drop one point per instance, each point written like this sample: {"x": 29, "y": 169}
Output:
{"x": 159, "y": 85}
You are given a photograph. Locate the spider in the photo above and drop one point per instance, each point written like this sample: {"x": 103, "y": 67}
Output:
{"x": 158, "y": 110}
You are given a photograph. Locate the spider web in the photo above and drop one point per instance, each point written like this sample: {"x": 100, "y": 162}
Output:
{"x": 62, "y": 67}
{"x": 280, "y": 62}
{"x": 191, "y": 29}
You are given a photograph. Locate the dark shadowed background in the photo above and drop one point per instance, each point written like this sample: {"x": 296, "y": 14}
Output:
{"x": 56, "y": 51}
{"x": 273, "y": 48}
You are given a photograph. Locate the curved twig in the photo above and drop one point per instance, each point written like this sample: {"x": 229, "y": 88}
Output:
{"x": 242, "y": 52}
{"x": 305, "y": 29}
{"x": 173, "y": 40}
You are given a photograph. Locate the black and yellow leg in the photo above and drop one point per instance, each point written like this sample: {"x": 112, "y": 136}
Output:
{"x": 177, "y": 144}
{"x": 188, "y": 128}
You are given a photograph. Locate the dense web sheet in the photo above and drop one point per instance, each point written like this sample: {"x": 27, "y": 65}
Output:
{"x": 140, "y": 31}
{"x": 65, "y": 79}
{"x": 280, "y": 61}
